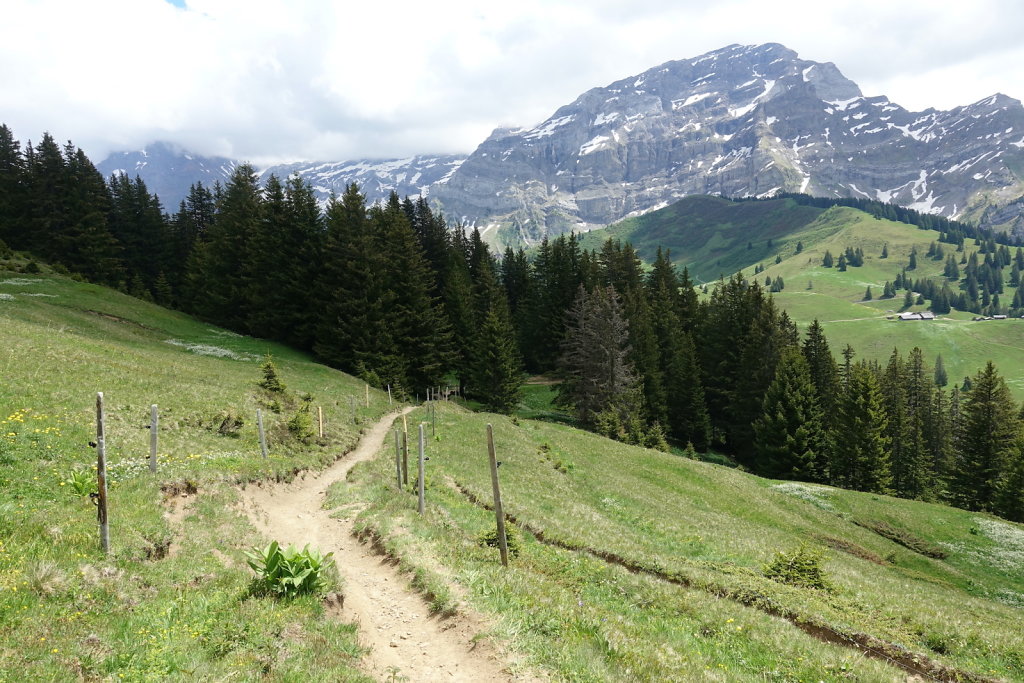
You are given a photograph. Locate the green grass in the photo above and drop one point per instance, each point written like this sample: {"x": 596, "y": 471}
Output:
{"x": 683, "y": 599}
{"x": 709, "y": 235}
{"x": 696, "y": 533}
{"x": 172, "y": 599}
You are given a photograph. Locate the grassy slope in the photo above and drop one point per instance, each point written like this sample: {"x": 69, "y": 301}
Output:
{"x": 710, "y": 527}
{"x": 705, "y": 231}
{"x": 709, "y": 235}
{"x": 65, "y": 609}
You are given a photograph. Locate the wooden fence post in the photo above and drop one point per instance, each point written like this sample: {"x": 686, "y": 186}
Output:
{"x": 398, "y": 458}
{"x": 389, "y": 395}
{"x": 367, "y": 395}
{"x": 420, "y": 486}
{"x": 352, "y": 406}
{"x": 320, "y": 419}
{"x": 405, "y": 458}
{"x": 433, "y": 418}
{"x": 263, "y": 436}
{"x": 154, "y": 423}
{"x": 498, "y": 512}
{"x": 101, "y": 474}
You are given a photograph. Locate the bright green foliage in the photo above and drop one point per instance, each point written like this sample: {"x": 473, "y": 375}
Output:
{"x": 789, "y": 435}
{"x": 799, "y": 567}
{"x": 288, "y": 572}
{"x": 81, "y": 482}
{"x": 512, "y": 543}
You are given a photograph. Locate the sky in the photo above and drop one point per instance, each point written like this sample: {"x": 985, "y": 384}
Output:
{"x": 286, "y": 80}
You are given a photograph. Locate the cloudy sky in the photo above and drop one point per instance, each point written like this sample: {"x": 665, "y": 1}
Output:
{"x": 277, "y": 80}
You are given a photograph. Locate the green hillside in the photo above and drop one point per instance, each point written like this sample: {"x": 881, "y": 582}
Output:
{"x": 171, "y": 601}
{"x": 703, "y": 232}
{"x": 639, "y": 565}
{"x": 710, "y": 235}
{"x": 634, "y": 565}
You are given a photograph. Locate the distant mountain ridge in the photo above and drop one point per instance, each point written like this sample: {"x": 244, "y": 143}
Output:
{"x": 169, "y": 172}
{"x": 741, "y": 121}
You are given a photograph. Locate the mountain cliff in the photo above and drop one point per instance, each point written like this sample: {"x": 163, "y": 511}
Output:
{"x": 741, "y": 121}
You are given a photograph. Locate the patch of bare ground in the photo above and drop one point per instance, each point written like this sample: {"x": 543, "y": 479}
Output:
{"x": 404, "y": 638}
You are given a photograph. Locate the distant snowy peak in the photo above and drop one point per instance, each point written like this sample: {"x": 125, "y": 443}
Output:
{"x": 168, "y": 171}
{"x": 739, "y": 121}
{"x": 412, "y": 176}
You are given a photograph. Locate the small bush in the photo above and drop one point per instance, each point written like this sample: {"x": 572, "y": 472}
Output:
{"x": 288, "y": 572}
{"x": 800, "y": 567}
{"x": 490, "y": 539}
{"x": 228, "y": 423}
{"x": 271, "y": 382}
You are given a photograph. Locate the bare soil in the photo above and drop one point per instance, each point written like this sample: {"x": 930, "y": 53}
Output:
{"x": 406, "y": 641}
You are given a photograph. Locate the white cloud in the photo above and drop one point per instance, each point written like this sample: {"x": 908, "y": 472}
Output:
{"x": 269, "y": 79}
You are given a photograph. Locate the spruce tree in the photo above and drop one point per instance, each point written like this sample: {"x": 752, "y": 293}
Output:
{"x": 12, "y": 190}
{"x": 940, "y": 377}
{"x": 226, "y": 265}
{"x": 789, "y": 435}
{"x": 598, "y": 376}
{"x": 861, "y": 454}
{"x": 496, "y": 375}
{"x": 988, "y": 430}
{"x": 353, "y": 331}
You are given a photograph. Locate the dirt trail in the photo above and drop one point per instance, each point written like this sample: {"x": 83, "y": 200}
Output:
{"x": 406, "y": 641}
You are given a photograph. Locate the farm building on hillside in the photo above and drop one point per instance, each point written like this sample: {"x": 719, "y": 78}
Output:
{"x": 923, "y": 315}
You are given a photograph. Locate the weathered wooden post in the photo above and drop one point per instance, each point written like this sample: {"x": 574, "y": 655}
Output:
{"x": 263, "y": 436}
{"x": 499, "y": 514}
{"x": 405, "y": 458}
{"x": 398, "y": 458}
{"x": 101, "y": 473}
{"x": 433, "y": 418}
{"x": 422, "y": 506}
{"x": 367, "y": 395}
{"x": 352, "y": 406}
{"x": 389, "y": 395}
{"x": 320, "y": 419}
{"x": 154, "y": 423}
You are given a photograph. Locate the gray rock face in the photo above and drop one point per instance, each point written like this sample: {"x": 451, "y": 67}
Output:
{"x": 169, "y": 173}
{"x": 376, "y": 178}
{"x": 741, "y": 121}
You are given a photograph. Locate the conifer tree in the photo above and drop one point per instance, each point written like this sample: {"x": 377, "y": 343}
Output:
{"x": 789, "y": 436}
{"x": 353, "y": 331}
{"x": 988, "y": 431}
{"x": 861, "y": 455}
{"x": 225, "y": 263}
{"x": 940, "y": 377}
{"x": 1009, "y": 502}
{"x": 12, "y": 190}
{"x": 598, "y": 377}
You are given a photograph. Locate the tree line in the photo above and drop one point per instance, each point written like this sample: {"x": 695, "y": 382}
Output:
{"x": 394, "y": 295}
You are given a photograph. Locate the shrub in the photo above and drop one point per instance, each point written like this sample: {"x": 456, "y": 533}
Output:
{"x": 490, "y": 539}
{"x": 288, "y": 572}
{"x": 271, "y": 382}
{"x": 800, "y": 567}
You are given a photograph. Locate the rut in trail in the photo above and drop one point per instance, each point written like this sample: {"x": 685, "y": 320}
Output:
{"x": 394, "y": 622}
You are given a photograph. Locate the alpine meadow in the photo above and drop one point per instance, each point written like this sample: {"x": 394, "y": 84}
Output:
{"x": 717, "y": 374}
